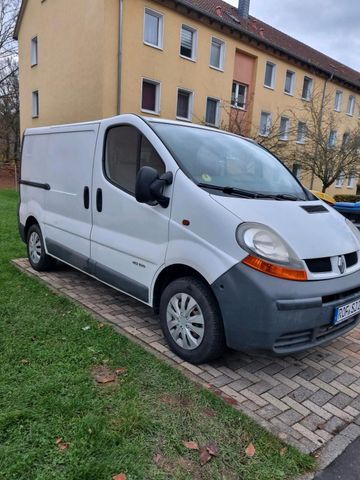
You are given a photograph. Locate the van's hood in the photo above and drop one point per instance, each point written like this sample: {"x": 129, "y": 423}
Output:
{"x": 310, "y": 235}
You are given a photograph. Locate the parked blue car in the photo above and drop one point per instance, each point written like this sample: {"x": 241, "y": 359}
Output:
{"x": 350, "y": 211}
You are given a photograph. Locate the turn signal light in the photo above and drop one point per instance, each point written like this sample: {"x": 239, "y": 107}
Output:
{"x": 275, "y": 270}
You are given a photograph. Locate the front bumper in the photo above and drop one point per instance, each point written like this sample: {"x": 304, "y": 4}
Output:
{"x": 268, "y": 313}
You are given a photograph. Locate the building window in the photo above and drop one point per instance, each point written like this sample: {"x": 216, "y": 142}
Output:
{"x": 284, "y": 128}
{"x": 34, "y": 51}
{"x": 239, "y": 95}
{"x": 217, "y": 54}
{"x": 212, "y": 111}
{"x": 270, "y": 70}
{"x": 150, "y": 97}
{"x": 351, "y": 105}
{"x": 289, "y": 82}
{"x": 332, "y": 139}
{"x": 35, "y": 104}
{"x": 126, "y": 152}
{"x": 301, "y": 132}
{"x": 345, "y": 140}
{"x": 153, "y": 28}
{"x": 340, "y": 180}
{"x": 338, "y": 101}
{"x": 184, "y": 105}
{"x": 307, "y": 88}
{"x": 265, "y": 124}
{"x": 350, "y": 183}
{"x": 296, "y": 170}
{"x": 188, "y": 42}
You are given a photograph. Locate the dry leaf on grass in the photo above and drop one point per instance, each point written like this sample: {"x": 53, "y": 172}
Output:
{"x": 25, "y": 361}
{"x": 103, "y": 374}
{"x": 61, "y": 445}
{"x": 191, "y": 445}
{"x": 205, "y": 457}
{"x": 250, "y": 450}
{"x": 282, "y": 451}
{"x": 212, "y": 448}
{"x": 121, "y": 371}
{"x": 120, "y": 476}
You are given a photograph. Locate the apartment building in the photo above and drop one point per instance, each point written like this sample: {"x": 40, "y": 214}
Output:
{"x": 201, "y": 61}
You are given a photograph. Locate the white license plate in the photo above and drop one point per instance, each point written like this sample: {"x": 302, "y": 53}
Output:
{"x": 346, "y": 311}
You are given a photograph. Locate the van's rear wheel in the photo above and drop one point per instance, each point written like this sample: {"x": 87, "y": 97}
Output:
{"x": 191, "y": 320}
{"x": 38, "y": 258}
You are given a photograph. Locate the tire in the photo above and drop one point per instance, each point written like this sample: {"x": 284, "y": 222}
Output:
{"x": 37, "y": 256}
{"x": 194, "y": 340}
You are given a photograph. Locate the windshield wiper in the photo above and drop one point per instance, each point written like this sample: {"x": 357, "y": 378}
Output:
{"x": 248, "y": 194}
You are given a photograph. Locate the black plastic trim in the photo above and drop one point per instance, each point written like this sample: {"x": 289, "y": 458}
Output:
{"x": 103, "y": 273}
{"x": 43, "y": 186}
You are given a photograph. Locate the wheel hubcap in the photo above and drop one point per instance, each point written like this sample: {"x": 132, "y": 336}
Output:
{"x": 35, "y": 247}
{"x": 185, "y": 321}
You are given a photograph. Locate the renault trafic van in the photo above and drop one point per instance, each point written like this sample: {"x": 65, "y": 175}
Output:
{"x": 208, "y": 228}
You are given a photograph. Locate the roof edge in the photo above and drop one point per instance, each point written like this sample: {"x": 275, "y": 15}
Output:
{"x": 19, "y": 19}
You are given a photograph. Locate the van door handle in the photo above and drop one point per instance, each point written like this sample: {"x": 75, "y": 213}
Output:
{"x": 86, "y": 198}
{"x": 99, "y": 200}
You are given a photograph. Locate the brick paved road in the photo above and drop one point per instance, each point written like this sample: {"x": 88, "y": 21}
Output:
{"x": 307, "y": 399}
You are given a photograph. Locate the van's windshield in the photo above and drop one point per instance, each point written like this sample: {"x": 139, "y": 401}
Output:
{"x": 229, "y": 164}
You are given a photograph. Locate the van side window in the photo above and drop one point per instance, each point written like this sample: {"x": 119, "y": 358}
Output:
{"x": 126, "y": 152}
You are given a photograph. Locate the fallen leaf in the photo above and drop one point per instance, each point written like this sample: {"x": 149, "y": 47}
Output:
{"x": 205, "y": 457}
{"x": 104, "y": 375}
{"x": 120, "y": 371}
{"x": 212, "y": 448}
{"x": 120, "y": 476}
{"x": 58, "y": 440}
{"x": 230, "y": 400}
{"x": 63, "y": 446}
{"x": 283, "y": 451}
{"x": 250, "y": 450}
{"x": 101, "y": 325}
{"x": 191, "y": 445}
{"x": 25, "y": 361}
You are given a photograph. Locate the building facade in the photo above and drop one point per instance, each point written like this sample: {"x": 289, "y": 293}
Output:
{"x": 201, "y": 61}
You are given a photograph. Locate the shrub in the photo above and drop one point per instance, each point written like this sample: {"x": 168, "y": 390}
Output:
{"x": 347, "y": 198}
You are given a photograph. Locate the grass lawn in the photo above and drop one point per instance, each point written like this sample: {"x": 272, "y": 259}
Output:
{"x": 57, "y": 422}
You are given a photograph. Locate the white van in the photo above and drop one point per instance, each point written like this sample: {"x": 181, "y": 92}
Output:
{"x": 206, "y": 227}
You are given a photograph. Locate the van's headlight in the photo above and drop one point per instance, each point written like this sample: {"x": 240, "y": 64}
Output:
{"x": 269, "y": 253}
{"x": 353, "y": 229}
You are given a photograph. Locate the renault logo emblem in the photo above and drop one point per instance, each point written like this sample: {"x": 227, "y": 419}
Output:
{"x": 341, "y": 264}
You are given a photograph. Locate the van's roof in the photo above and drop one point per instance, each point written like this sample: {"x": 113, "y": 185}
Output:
{"x": 62, "y": 127}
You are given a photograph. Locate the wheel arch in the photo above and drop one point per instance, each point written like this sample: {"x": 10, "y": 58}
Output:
{"x": 31, "y": 220}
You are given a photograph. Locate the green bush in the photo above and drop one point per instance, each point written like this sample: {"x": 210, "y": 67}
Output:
{"x": 347, "y": 198}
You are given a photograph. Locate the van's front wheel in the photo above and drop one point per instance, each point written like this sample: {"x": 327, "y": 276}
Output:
{"x": 38, "y": 258}
{"x": 191, "y": 320}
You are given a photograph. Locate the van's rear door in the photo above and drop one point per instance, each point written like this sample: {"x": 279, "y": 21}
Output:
{"x": 129, "y": 239}
{"x": 68, "y": 217}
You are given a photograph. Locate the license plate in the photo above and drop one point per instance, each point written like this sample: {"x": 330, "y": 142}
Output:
{"x": 346, "y": 311}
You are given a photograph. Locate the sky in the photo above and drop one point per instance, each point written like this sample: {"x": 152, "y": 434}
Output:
{"x": 330, "y": 26}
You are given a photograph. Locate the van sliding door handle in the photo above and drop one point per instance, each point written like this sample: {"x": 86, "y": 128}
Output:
{"x": 86, "y": 198}
{"x": 99, "y": 200}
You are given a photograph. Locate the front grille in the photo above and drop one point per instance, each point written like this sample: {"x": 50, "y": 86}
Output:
{"x": 305, "y": 339}
{"x": 319, "y": 265}
{"x": 351, "y": 259}
{"x": 340, "y": 296}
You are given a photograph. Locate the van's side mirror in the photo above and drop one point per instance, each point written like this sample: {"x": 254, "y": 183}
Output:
{"x": 150, "y": 186}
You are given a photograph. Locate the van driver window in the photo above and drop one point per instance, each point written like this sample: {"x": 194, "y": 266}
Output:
{"x": 126, "y": 152}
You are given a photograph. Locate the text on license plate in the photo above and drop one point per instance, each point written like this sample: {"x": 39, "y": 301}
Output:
{"x": 346, "y": 311}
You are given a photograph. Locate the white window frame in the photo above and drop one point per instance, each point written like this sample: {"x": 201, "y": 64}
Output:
{"x": 157, "y": 96}
{"x": 35, "y": 104}
{"x": 308, "y": 98}
{"x": 351, "y": 106}
{"x": 194, "y": 48}
{"x": 217, "y": 120}
{"x": 237, "y": 94}
{"x": 222, "y": 54}
{"x": 292, "y": 88}
{"x": 303, "y": 138}
{"x": 332, "y": 139}
{"x": 191, "y": 104}
{"x": 273, "y": 76}
{"x": 284, "y": 137}
{"x": 268, "y": 124}
{"x": 339, "y": 182}
{"x": 338, "y": 100}
{"x": 34, "y": 51}
{"x": 160, "y": 16}
{"x": 350, "y": 182}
